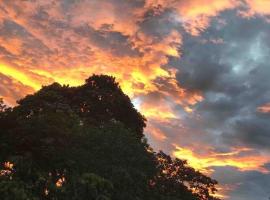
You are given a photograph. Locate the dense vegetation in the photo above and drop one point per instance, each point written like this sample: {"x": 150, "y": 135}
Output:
{"x": 87, "y": 143}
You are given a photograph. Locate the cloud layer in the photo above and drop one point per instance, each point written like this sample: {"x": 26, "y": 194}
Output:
{"x": 198, "y": 70}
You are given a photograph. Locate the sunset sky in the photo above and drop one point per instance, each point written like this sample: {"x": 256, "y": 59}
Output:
{"x": 199, "y": 70}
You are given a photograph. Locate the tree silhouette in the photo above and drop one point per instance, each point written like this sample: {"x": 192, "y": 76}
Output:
{"x": 87, "y": 142}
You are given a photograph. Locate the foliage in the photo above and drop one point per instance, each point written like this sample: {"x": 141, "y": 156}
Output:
{"x": 87, "y": 143}
{"x": 176, "y": 178}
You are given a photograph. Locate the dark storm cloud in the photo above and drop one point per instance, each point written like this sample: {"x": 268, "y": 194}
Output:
{"x": 239, "y": 38}
{"x": 254, "y": 132}
{"x": 244, "y": 185}
{"x": 230, "y": 65}
{"x": 158, "y": 23}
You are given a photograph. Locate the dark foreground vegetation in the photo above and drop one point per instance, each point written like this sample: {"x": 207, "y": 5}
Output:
{"x": 87, "y": 143}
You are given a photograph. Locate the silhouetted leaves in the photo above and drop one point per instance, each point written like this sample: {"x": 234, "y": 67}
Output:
{"x": 87, "y": 143}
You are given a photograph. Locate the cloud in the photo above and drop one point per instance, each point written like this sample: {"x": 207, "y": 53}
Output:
{"x": 260, "y": 7}
{"x": 51, "y": 38}
{"x": 196, "y": 15}
{"x": 12, "y": 90}
{"x": 198, "y": 70}
{"x": 264, "y": 108}
{"x": 253, "y": 131}
{"x": 243, "y": 185}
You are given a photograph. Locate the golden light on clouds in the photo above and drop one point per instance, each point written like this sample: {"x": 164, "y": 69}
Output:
{"x": 141, "y": 43}
{"x": 258, "y": 7}
{"x": 20, "y": 76}
{"x": 264, "y": 108}
{"x": 232, "y": 159}
{"x": 156, "y": 133}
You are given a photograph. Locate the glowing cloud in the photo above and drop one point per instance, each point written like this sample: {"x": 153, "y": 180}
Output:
{"x": 261, "y": 7}
{"x": 141, "y": 43}
{"x": 20, "y": 76}
{"x": 265, "y": 108}
{"x": 233, "y": 159}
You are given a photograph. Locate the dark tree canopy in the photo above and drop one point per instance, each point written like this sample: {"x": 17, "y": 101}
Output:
{"x": 99, "y": 101}
{"x": 87, "y": 143}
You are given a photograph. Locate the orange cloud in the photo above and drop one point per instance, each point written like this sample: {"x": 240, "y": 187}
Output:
{"x": 233, "y": 159}
{"x": 158, "y": 111}
{"x": 225, "y": 189}
{"x": 12, "y": 90}
{"x": 19, "y": 75}
{"x": 69, "y": 44}
{"x": 156, "y": 133}
{"x": 196, "y": 14}
{"x": 264, "y": 108}
{"x": 261, "y": 7}
{"x": 73, "y": 57}
{"x": 13, "y": 45}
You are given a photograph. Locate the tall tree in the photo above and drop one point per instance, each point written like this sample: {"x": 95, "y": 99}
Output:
{"x": 87, "y": 143}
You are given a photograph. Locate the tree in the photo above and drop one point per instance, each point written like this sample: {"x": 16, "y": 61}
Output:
{"x": 2, "y": 106}
{"x": 99, "y": 101}
{"x": 176, "y": 178}
{"x": 87, "y": 143}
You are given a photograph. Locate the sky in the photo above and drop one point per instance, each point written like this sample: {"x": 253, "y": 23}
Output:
{"x": 197, "y": 69}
